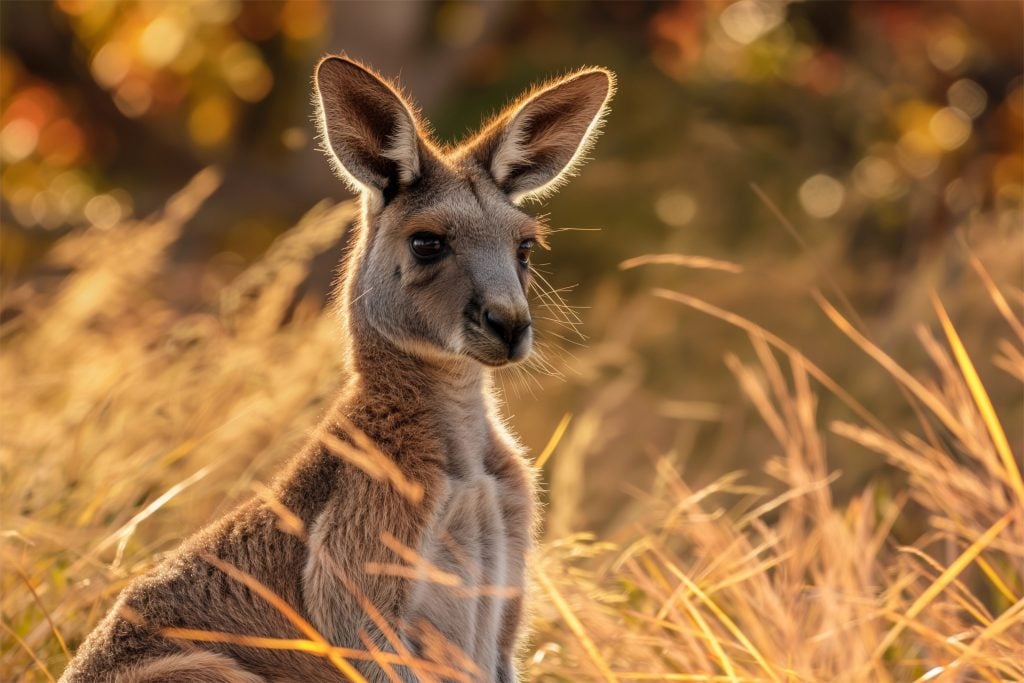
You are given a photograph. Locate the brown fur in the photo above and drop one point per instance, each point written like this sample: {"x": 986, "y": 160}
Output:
{"x": 196, "y": 667}
{"x": 419, "y": 339}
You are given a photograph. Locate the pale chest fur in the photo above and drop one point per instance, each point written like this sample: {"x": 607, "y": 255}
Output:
{"x": 472, "y": 550}
{"x": 467, "y": 571}
{"x": 451, "y": 570}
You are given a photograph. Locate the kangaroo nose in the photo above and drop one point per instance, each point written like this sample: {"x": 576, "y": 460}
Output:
{"x": 509, "y": 329}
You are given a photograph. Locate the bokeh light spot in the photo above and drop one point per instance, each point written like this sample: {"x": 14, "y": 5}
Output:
{"x": 219, "y": 12}
{"x": 133, "y": 97}
{"x": 18, "y": 139}
{"x": 37, "y": 104}
{"x": 747, "y": 20}
{"x": 161, "y": 41}
{"x": 75, "y": 7}
{"x": 246, "y": 74}
{"x": 103, "y": 211}
{"x": 62, "y": 142}
{"x": 947, "y": 49}
{"x": 950, "y": 128}
{"x": 821, "y": 196}
{"x": 294, "y": 138}
{"x": 189, "y": 57}
{"x": 20, "y": 205}
{"x": 676, "y": 208}
{"x": 71, "y": 191}
{"x": 43, "y": 213}
{"x": 968, "y": 97}
{"x": 111, "y": 64}
{"x": 918, "y": 153}
{"x": 877, "y": 178}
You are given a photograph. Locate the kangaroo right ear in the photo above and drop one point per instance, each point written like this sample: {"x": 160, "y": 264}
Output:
{"x": 369, "y": 129}
{"x": 532, "y": 147}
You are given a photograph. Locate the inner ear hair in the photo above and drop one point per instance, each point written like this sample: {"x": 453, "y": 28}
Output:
{"x": 537, "y": 143}
{"x": 370, "y": 132}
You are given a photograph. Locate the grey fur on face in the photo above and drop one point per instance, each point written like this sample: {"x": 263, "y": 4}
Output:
{"x": 471, "y": 301}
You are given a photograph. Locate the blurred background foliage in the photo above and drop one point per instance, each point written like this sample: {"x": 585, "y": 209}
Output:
{"x": 165, "y": 349}
{"x": 894, "y": 119}
{"x": 885, "y": 134}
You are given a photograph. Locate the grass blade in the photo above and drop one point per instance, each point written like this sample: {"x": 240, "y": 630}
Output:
{"x": 937, "y": 586}
{"x": 575, "y": 626}
{"x": 981, "y": 400}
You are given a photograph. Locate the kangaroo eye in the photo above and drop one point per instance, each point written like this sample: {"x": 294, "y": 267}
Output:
{"x": 523, "y": 252}
{"x": 426, "y": 246}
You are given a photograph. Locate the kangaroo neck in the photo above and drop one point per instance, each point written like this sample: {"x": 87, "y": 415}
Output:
{"x": 419, "y": 385}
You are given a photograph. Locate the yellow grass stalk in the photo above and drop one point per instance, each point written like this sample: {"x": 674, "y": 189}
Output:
{"x": 939, "y": 585}
{"x": 556, "y": 438}
{"x": 993, "y": 291}
{"x": 1009, "y": 360}
{"x": 24, "y": 646}
{"x": 941, "y": 640}
{"x": 263, "y": 642}
{"x": 753, "y": 328}
{"x": 729, "y": 624}
{"x": 287, "y": 521}
{"x": 996, "y": 580}
{"x": 575, "y": 626}
{"x": 305, "y": 645}
{"x": 1011, "y": 617}
{"x": 822, "y": 271}
{"x": 699, "y": 262}
{"x": 656, "y": 575}
{"x": 435, "y": 643}
{"x": 287, "y": 611}
{"x": 709, "y": 635}
{"x": 418, "y": 565}
{"x": 128, "y": 528}
{"x": 927, "y": 397}
{"x": 960, "y": 593}
{"x": 981, "y": 400}
{"x": 376, "y": 654}
{"x": 46, "y": 613}
{"x": 684, "y": 677}
{"x": 370, "y": 460}
{"x": 378, "y": 620}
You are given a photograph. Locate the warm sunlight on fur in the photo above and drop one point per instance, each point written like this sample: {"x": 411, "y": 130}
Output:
{"x": 511, "y": 342}
{"x": 736, "y": 581}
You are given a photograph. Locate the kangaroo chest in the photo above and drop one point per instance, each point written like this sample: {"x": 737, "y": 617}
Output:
{"x": 467, "y": 571}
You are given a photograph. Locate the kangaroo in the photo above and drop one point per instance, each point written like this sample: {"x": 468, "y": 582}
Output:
{"x": 413, "y": 568}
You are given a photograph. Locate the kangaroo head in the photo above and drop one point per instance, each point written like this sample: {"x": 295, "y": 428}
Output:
{"x": 442, "y": 262}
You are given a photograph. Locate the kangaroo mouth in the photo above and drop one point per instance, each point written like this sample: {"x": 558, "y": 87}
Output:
{"x": 491, "y": 363}
{"x": 488, "y": 350}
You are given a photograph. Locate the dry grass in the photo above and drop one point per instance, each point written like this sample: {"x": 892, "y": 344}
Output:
{"x": 128, "y": 422}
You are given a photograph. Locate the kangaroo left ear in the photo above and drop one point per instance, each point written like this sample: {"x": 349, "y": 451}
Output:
{"x": 369, "y": 128}
{"x": 532, "y": 147}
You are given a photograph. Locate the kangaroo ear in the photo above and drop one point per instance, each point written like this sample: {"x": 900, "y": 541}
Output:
{"x": 369, "y": 129}
{"x": 531, "y": 148}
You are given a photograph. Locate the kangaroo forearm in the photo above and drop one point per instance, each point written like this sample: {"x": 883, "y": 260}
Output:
{"x": 354, "y": 549}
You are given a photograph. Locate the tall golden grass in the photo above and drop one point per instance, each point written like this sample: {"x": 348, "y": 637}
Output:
{"x": 128, "y": 422}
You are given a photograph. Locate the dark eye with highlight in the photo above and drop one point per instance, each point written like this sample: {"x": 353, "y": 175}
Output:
{"x": 427, "y": 247}
{"x": 524, "y": 250}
